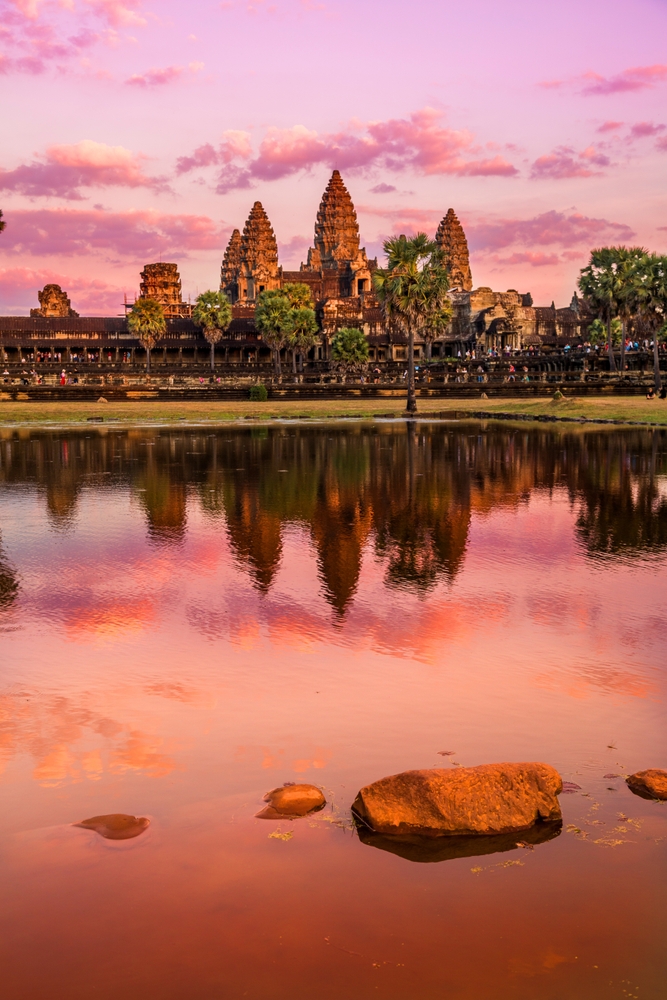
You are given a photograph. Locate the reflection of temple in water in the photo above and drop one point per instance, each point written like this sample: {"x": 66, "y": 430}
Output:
{"x": 408, "y": 496}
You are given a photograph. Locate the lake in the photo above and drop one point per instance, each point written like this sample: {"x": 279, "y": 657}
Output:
{"x": 190, "y": 617}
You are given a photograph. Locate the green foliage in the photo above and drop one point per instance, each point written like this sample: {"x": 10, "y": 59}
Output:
{"x": 597, "y": 332}
{"x": 298, "y": 295}
{"x": 349, "y": 347}
{"x": 213, "y": 313}
{"x": 258, "y": 394}
{"x": 146, "y": 321}
{"x": 301, "y": 328}
{"x": 271, "y": 317}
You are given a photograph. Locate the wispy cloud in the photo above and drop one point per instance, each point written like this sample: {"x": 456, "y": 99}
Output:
{"x": 593, "y": 84}
{"x": 565, "y": 162}
{"x": 65, "y": 169}
{"x": 155, "y": 77}
{"x": 418, "y": 143}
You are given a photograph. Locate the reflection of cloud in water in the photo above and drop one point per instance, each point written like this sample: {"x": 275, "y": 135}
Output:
{"x": 57, "y": 733}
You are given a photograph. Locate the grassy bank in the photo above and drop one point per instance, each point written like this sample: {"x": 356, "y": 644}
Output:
{"x": 630, "y": 408}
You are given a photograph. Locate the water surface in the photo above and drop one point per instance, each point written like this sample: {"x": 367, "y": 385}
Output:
{"x": 189, "y": 618}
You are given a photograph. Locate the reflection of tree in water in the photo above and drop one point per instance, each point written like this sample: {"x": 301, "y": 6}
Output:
{"x": 9, "y": 586}
{"x": 412, "y": 493}
{"x": 622, "y": 508}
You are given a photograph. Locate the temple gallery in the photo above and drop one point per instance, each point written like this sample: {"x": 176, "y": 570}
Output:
{"x": 339, "y": 275}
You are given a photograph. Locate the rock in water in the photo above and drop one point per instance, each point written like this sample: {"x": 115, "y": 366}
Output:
{"x": 651, "y": 784}
{"x": 292, "y": 800}
{"x": 116, "y": 826}
{"x": 490, "y": 799}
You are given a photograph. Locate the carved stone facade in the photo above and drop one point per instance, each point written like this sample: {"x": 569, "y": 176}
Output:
{"x": 250, "y": 265}
{"x": 53, "y": 302}
{"x": 452, "y": 240}
{"x": 162, "y": 283}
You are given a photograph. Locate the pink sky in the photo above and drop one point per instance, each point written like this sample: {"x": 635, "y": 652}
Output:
{"x": 136, "y": 130}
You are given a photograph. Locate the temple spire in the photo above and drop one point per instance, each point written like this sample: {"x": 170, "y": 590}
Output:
{"x": 454, "y": 247}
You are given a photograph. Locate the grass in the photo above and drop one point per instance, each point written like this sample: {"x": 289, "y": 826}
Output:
{"x": 632, "y": 408}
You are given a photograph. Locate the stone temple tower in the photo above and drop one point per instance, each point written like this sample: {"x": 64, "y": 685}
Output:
{"x": 258, "y": 270}
{"x": 231, "y": 264}
{"x": 454, "y": 246}
{"x": 336, "y": 252}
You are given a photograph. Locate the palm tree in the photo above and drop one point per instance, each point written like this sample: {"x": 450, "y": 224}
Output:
{"x": 146, "y": 321}
{"x": 302, "y": 333}
{"x": 651, "y": 302}
{"x": 598, "y": 284}
{"x": 411, "y": 288}
{"x": 625, "y": 264}
{"x": 213, "y": 313}
{"x": 272, "y": 321}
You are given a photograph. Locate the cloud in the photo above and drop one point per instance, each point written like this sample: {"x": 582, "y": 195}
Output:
{"x": 564, "y": 162}
{"x": 235, "y": 144}
{"x": 137, "y": 235}
{"x": 531, "y": 257}
{"x": 65, "y": 169}
{"x": 609, "y": 127}
{"x": 383, "y": 188}
{"x": 548, "y": 229}
{"x": 636, "y": 78}
{"x": 418, "y": 143}
{"x": 19, "y": 286}
{"x": 155, "y": 77}
{"x": 643, "y": 129}
{"x": 661, "y": 144}
{"x": 118, "y": 13}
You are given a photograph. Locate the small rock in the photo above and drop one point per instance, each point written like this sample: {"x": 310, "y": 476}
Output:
{"x": 102, "y": 400}
{"x": 116, "y": 826}
{"x": 490, "y": 799}
{"x": 484, "y": 396}
{"x": 650, "y": 784}
{"x": 292, "y": 800}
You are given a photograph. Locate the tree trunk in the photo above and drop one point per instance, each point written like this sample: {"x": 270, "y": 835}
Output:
{"x": 429, "y": 349}
{"x": 148, "y": 359}
{"x": 656, "y": 364}
{"x": 411, "y": 406}
{"x": 622, "y": 346}
{"x": 279, "y": 370}
{"x": 212, "y": 356}
{"x": 610, "y": 345}
{"x": 294, "y": 360}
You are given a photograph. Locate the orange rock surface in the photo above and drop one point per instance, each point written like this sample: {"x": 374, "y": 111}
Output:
{"x": 651, "y": 784}
{"x": 490, "y": 799}
{"x": 116, "y": 826}
{"x": 292, "y": 800}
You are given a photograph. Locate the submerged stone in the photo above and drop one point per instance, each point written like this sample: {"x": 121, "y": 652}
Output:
{"x": 650, "y": 784}
{"x": 292, "y": 800}
{"x": 486, "y": 800}
{"x": 116, "y": 826}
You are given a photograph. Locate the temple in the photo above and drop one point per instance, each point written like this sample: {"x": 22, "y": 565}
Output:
{"x": 340, "y": 277}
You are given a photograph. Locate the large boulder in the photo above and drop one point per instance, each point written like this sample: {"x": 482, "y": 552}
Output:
{"x": 490, "y": 799}
{"x": 291, "y": 801}
{"x": 650, "y": 784}
{"x": 116, "y": 826}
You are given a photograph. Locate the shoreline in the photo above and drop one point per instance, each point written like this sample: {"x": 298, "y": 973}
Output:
{"x": 617, "y": 412}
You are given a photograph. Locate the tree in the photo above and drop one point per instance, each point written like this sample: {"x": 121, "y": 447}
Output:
{"x": 272, "y": 321}
{"x": 411, "y": 289}
{"x": 213, "y": 313}
{"x": 146, "y": 321}
{"x": 349, "y": 348}
{"x": 650, "y": 293}
{"x": 301, "y": 332}
{"x": 597, "y": 332}
{"x": 628, "y": 262}
{"x": 436, "y": 325}
{"x": 596, "y": 283}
